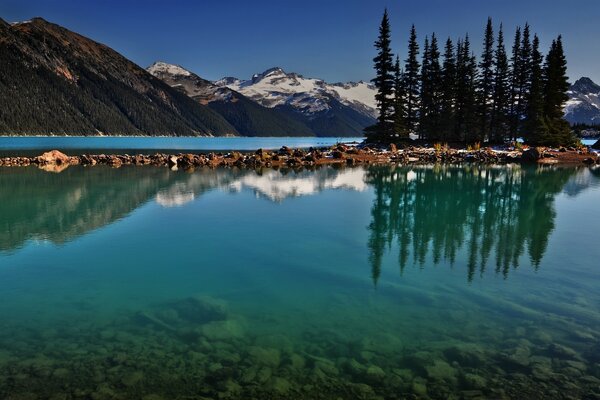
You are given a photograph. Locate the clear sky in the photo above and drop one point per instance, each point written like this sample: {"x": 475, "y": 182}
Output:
{"x": 328, "y": 39}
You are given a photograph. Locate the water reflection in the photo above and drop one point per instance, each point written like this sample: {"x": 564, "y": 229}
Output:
{"x": 37, "y": 205}
{"x": 494, "y": 214}
{"x": 439, "y": 211}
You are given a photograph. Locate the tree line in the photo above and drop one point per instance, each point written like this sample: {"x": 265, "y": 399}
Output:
{"x": 458, "y": 97}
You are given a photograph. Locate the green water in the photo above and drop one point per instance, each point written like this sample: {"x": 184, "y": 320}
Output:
{"x": 426, "y": 282}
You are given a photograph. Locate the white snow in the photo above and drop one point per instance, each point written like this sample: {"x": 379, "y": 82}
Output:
{"x": 171, "y": 69}
{"x": 275, "y": 87}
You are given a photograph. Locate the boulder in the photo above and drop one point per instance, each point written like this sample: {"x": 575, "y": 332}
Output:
{"x": 172, "y": 162}
{"x": 53, "y": 157}
{"x": 532, "y": 155}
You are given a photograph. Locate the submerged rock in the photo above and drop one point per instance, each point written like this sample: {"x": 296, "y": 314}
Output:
{"x": 222, "y": 330}
{"x": 265, "y": 356}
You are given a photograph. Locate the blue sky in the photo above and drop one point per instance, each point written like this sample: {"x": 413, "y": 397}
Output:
{"x": 328, "y": 39}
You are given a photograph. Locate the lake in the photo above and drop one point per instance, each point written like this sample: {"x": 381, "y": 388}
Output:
{"x": 417, "y": 282}
{"x": 77, "y": 145}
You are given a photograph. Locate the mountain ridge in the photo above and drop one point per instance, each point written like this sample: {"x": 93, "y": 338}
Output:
{"x": 55, "y": 81}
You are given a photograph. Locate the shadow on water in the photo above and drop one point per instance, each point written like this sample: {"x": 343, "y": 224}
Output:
{"x": 497, "y": 213}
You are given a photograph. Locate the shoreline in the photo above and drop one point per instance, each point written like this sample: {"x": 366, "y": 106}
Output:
{"x": 337, "y": 155}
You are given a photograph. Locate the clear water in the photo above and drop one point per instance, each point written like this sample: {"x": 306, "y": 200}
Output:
{"x": 28, "y": 145}
{"x": 383, "y": 283}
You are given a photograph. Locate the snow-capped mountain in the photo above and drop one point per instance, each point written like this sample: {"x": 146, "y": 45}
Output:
{"x": 282, "y": 103}
{"x": 276, "y": 88}
{"x": 247, "y": 116}
{"x": 583, "y": 105}
{"x": 191, "y": 84}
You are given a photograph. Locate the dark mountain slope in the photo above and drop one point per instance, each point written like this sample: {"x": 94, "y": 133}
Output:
{"x": 54, "y": 81}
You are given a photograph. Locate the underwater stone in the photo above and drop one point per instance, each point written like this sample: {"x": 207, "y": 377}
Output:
{"x": 419, "y": 387}
{"x": 263, "y": 375}
{"x": 222, "y": 330}
{"x": 473, "y": 381}
{"x": 132, "y": 379}
{"x": 467, "y": 355}
{"x": 375, "y": 374}
{"x": 296, "y": 361}
{"x": 265, "y": 356}
{"x": 441, "y": 370}
{"x": 279, "y": 385}
{"x": 249, "y": 374}
{"x": 355, "y": 368}
{"x": 327, "y": 367}
{"x": 563, "y": 351}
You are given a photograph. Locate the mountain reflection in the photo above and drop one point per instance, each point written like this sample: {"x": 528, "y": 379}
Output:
{"x": 38, "y": 205}
{"x": 493, "y": 214}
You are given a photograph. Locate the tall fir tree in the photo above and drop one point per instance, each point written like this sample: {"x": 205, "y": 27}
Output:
{"x": 534, "y": 127}
{"x": 400, "y": 130}
{"x": 384, "y": 83}
{"x": 466, "y": 101}
{"x": 515, "y": 68}
{"x": 411, "y": 82}
{"x": 486, "y": 81}
{"x": 431, "y": 91}
{"x": 425, "y": 92}
{"x": 555, "y": 97}
{"x": 500, "y": 124}
{"x": 524, "y": 77}
{"x": 448, "y": 93}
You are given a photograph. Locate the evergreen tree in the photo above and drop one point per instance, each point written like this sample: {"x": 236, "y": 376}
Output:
{"x": 384, "y": 82}
{"x": 555, "y": 95}
{"x": 425, "y": 92}
{"x": 524, "y": 77}
{"x": 514, "y": 84}
{"x": 500, "y": 128}
{"x": 400, "y": 129}
{"x": 431, "y": 102}
{"x": 535, "y": 126}
{"x": 465, "y": 93}
{"x": 411, "y": 81}
{"x": 448, "y": 93}
{"x": 486, "y": 81}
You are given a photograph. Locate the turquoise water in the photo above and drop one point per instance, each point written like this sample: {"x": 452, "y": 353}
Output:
{"x": 423, "y": 282}
{"x": 28, "y": 145}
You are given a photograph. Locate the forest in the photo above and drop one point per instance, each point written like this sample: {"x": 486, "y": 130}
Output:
{"x": 457, "y": 97}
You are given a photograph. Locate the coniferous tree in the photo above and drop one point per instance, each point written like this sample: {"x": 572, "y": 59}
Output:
{"x": 400, "y": 129}
{"x": 524, "y": 77}
{"x": 555, "y": 96}
{"x": 486, "y": 81}
{"x": 466, "y": 117}
{"x": 411, "y": 81}
{"x": 384, "y": 82}
{"x": 431, "y": 91}
{"x": 425, "y": 92}
{"x": 535, "y": 126}
{"x": 500, "y": 128}
{"x": 514, "y": 84}
{"x": 448, "y": 93}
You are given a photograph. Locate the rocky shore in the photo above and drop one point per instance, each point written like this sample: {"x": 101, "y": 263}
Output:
{"x": 298, "y": 158}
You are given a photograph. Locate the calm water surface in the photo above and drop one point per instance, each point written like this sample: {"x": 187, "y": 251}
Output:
{"x": 426, "y": 282}
{"x": 34, "y": 145}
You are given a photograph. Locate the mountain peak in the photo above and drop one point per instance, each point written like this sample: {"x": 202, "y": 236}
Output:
{"x": 269, "y": 73}
{"x": 160, "y": 67}
{"x": 585, "y": 85}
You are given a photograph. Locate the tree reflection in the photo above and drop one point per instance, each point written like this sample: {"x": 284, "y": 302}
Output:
{"x": 492, "y": 214}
